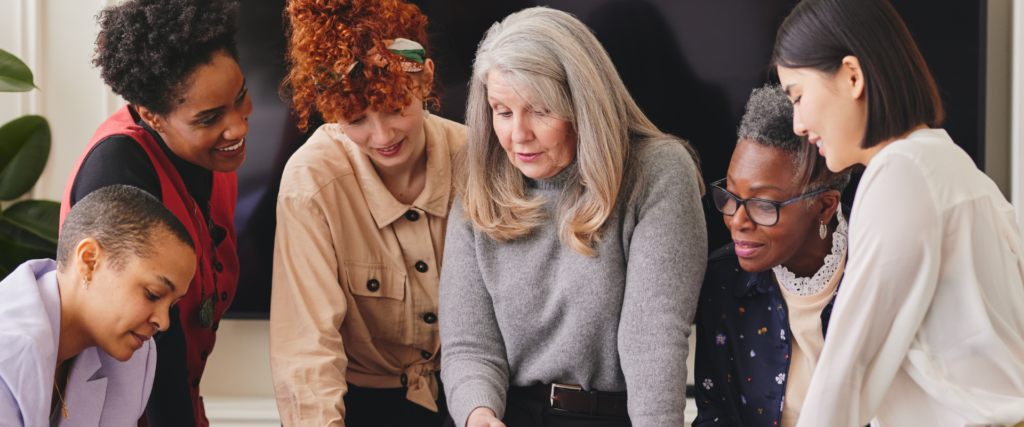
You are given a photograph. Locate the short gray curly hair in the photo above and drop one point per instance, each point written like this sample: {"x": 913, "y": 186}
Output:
{"x": 768, "y": 121}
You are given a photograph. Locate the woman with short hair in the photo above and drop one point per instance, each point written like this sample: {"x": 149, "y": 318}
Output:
{"x": 361, "y": 220}
{"x": 577, "y": 245}
{"x": 75, "y": 346}
{"x": 928, "y": 328}
{"x": 766, "y": 298}
{"x": 180, "y": 138}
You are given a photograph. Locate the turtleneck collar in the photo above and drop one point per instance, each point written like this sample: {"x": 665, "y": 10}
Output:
{"x": 556, "y": 182}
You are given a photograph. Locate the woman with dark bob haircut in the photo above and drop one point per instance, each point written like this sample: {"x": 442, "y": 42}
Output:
{"x": 180, "y": 139}
{"x": 928, "y": 327}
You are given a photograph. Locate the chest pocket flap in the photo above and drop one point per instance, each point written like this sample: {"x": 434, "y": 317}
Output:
{"x": 375, "y": 280}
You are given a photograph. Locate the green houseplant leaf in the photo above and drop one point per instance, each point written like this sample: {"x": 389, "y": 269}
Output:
{"x": 40, "y": 218}
{"x": 28, "y": 230}
{"x": 14, "y": 74}
{"x": 24, "y": 148}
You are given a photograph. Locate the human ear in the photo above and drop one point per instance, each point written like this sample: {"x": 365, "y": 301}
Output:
{"x": 828, "y": 203}
{"x": 87, "y": 257}
{"x": 852, "y": 76}
{"x": 426, "y": 78}
{"x": 152, "y": 119}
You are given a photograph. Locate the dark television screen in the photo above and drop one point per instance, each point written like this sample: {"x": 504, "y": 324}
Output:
{"x": 690, "y": 65}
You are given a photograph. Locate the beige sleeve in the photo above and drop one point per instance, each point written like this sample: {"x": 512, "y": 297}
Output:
{"x": 307, "y": 356}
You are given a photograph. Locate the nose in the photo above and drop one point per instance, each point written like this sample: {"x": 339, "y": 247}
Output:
{"x": 798, "y": 124}
{"x": 740, "y": 221}
{"x": 381, "y": 134}
{"x": 522, "y": 131}
{"x": 160, "y": 319}
{"x": 238, "y": 127}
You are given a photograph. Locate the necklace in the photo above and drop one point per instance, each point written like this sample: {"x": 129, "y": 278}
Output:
{"x": 208, "y": 302}
{"x": 63, "y": 407}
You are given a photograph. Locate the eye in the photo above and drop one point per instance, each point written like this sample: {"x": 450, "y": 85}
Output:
{"x": 797, "y": 100}
{"x": 241, "y": 96}
{"x": 503, "y": 114}
{"x": 209, "y": 120}
{"x": 396, "y": 112}
{"x": 151, "y": 296}
{"x": 357, "y": 121}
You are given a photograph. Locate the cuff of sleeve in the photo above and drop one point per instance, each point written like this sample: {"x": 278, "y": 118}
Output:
{"x": 470, "y": 398}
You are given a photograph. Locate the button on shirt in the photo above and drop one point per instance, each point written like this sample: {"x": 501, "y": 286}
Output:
{"x": 356, "y": 276}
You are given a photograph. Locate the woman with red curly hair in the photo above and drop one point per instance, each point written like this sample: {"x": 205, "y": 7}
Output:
{"x": 361, "y": 220}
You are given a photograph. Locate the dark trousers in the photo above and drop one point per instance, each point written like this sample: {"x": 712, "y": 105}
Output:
{"x": 522, "y": 410}
{"x": 387, "y": 407}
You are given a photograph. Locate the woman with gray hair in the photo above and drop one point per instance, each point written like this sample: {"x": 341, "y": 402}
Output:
{"x": 767, "y": 296}
{"x": 576, "y": 248}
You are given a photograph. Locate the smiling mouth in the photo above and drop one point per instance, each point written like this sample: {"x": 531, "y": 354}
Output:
{"x": 392, "y": 150}
{"x": 746, "y": 249}
{"x": 232, "y": 147}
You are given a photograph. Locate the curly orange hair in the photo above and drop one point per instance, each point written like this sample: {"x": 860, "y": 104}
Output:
{"x": 325, "y": 36}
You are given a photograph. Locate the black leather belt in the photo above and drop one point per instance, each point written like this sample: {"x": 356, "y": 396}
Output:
{"x": 573, "y": 398}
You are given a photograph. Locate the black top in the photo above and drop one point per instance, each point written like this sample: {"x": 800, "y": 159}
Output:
{"x": 120, "y": 159}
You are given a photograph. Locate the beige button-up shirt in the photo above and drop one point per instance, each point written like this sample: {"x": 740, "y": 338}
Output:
{"x": 356, "y": 276}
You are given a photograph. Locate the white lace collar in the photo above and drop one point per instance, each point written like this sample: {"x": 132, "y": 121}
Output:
{"x": 811, "y": 285}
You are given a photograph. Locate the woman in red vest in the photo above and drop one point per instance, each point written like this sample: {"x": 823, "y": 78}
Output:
{"x": 181, "y": 139}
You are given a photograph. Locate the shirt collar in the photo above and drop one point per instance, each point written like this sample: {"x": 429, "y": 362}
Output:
{"x": 747, "y": 282}
{"x": 384, "y": 208}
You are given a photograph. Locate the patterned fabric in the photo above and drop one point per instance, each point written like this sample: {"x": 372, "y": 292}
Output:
{"x": 743, "y": 345}
{"x": 811, "y": 285}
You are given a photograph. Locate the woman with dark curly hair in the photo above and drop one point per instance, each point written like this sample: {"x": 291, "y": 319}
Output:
{"x": 361, "y": 220}
{"x": 181, "y": 138}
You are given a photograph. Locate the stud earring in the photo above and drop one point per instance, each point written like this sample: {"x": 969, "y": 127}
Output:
{"x": 822, "y": 231}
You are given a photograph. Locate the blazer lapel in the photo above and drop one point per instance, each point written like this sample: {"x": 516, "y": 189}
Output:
{"x": 86, "y": 391}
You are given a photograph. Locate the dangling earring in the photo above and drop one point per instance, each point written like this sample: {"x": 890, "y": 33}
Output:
{"x": 85, "y": 283}
{"x": 822, "y": 231}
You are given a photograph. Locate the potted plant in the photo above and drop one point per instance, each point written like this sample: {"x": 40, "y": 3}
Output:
{"x": 28, "y": 228}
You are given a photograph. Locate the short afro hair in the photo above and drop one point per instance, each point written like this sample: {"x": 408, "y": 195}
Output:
{"x": 768, "y": 121}
{"x": 147, "y": 50}
{"x": 123, "y": 219}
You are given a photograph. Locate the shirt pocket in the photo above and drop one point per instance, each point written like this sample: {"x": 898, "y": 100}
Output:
{"x": 379, "y": 294}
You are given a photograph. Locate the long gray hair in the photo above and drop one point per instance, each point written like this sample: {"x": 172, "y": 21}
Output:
{"x": 555, "y": 63}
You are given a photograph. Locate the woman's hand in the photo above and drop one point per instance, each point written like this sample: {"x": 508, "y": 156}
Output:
{"x": 483, "y": 417}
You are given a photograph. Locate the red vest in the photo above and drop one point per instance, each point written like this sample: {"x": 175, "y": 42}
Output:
{"x": 175, "y": 197}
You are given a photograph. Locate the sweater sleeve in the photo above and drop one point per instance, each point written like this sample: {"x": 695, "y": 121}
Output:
{"x": 667, "y": 258}
{"x": 474, "y": 369}
{"x": 895, "y": 256}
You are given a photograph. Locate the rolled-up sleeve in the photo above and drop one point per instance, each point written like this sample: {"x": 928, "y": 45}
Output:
{"x": 474, "y": 369}
{"x": 308, "y": 305}
{"x": 667, "y": 258}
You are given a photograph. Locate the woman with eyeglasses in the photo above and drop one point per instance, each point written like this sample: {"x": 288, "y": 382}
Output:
{"x": 766, "y": 297}
{"x": 928, "y": 329}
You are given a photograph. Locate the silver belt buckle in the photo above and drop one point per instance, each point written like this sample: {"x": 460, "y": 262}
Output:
{"x": 562, "y": 386}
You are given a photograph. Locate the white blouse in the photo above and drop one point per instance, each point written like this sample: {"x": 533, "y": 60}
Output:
{"x": 928, "y": 325}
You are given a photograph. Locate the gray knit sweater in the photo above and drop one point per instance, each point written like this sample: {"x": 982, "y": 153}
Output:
{"x": 534, "y": 311}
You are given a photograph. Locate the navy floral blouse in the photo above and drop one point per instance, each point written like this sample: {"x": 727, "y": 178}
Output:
{"x": 743, "y": 345}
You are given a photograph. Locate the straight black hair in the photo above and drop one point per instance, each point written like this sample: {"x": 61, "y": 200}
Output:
{"x": 901, "y": 92}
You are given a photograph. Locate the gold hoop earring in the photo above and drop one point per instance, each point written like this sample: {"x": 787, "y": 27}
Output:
{"x": 822, "y": 231}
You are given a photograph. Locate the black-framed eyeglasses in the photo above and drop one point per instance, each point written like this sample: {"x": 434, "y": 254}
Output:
{"x": 762, "y": 212}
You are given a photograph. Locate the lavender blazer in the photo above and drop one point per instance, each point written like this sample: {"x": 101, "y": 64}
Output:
{"x": 101, "y": 391}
